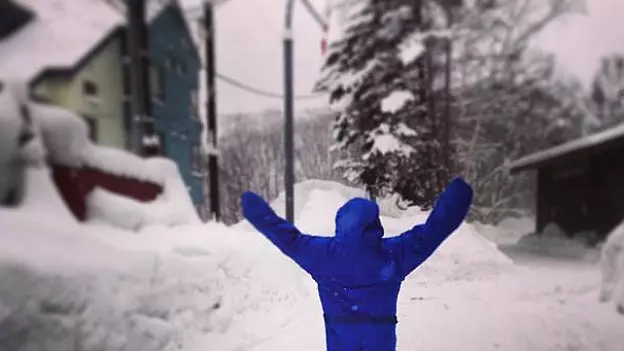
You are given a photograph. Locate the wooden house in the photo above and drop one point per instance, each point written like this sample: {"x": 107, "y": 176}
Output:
{"x": 175, "y": 64}
{"x": 580, "y": 184}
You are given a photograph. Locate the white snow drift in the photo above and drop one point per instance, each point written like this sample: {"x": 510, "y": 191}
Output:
{"x": 612, "y": 268}
{"x": 199, "y": 286}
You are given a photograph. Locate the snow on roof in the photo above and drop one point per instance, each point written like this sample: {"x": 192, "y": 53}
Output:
{"x": 60, "y": 34}
{"x": 590, "y": 141}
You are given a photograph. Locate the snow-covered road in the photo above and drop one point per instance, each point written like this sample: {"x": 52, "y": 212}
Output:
{"x": 537, "y": 308}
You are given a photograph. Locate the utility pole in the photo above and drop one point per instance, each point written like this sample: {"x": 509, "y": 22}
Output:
{"x": 211, "y": 111}
{"x": 289, "y": 152}
{"x": 144, "y": 139}
{"x": 289, "y": 172}
{"x": 447, "y": 148}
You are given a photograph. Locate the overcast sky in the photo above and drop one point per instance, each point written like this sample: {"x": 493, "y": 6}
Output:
{"x": 249, "y": 47}
{"x": 580, "y": 40}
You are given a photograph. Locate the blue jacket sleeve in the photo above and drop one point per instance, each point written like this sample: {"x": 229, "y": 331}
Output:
{"x": 306, "y": 250}
{"x": 413, "y": 247}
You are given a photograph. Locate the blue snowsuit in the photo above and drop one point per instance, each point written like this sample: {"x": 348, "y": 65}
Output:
{"x": 359, "y": 274}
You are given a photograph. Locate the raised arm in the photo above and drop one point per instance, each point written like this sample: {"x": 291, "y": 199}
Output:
{"x": 306, "y": 250}
{"x": 416, "y": 245}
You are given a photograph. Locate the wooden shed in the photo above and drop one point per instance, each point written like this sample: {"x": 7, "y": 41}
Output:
{"x": 580, "y": 184}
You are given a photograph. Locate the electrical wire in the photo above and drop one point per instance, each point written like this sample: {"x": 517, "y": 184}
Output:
{"x": 244, "y": 86}
{"x": 235, "y": 82}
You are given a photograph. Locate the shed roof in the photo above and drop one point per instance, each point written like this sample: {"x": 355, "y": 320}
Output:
{"x": 585, "y": 145}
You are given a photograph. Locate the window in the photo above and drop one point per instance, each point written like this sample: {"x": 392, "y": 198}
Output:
{"x": 194, "y": 104}
{"x": 157, "y": 82}
{"x": 93, "y": 128}
{"x": 89, "y": 88}
{"x": 196, "y": 160}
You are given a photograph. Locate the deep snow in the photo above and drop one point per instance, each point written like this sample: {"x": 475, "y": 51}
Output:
{"x": 197, "y": 287}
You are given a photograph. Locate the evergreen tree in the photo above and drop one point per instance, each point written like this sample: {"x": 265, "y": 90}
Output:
{"x": 380, "y": 74}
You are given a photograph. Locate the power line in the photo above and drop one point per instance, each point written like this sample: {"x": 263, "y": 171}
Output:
{"x": 257, "y": 91}
{"x": 235, "y": 82}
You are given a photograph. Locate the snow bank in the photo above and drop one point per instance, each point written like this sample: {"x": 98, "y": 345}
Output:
{"x": 42, "y": 198}
{"x": 65, "y": 137}
{"x": 202, "y": 287}
{"x": 465, "y": 255}
{"x": 64, "y": 134}
{"x": 335, "y": 196}
{"x": 91, "y": 287}
{"x": 554, "y": 242}
{"x": 64, "y": 290}
{"x": 508, "y": 231}
{"x": 612, "y": 268}
{"x": 172, "y": 208}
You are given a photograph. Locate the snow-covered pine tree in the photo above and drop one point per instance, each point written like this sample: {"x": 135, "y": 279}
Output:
{"x": 379, "y": 75}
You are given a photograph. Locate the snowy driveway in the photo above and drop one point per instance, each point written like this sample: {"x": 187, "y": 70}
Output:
{"x": 537, "y": 308}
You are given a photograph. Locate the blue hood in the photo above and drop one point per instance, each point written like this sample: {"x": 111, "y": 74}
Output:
{"x": 357, "y": 222}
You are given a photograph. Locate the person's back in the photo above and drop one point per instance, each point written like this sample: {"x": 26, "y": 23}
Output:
{"x": 359, "y": 273}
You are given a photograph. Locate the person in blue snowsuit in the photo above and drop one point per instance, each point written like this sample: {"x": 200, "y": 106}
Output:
{"x": 359, "y": 273}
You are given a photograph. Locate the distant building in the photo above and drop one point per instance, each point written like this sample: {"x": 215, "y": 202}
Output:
{"x": 174, "y": 79}
{"x": 70, "y": 56}
{"x": 580, "y": 184}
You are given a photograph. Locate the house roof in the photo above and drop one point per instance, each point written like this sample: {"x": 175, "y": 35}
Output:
{"x": 590, "y": 144}
{"x": 59, "y": 36}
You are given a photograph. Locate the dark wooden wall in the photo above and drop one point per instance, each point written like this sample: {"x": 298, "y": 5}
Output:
{"x": 582, "y": 194}
{"x": 608, "y": 187}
